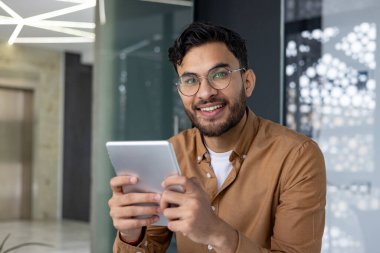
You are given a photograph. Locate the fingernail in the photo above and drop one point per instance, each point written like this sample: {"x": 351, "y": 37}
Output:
{"x": 159, "y": 210}
{"x": 157, "y": 197}
{"x": 133, "y": 180}
{"x": 163, "y": 184}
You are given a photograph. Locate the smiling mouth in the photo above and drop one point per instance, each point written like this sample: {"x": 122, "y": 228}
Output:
{"x": 210, "y": 108}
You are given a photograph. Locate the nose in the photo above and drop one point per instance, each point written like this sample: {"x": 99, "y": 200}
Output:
{"x": 206, "y": 90}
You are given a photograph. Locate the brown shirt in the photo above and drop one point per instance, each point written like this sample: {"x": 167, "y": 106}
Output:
{"x": 274, "y": 196}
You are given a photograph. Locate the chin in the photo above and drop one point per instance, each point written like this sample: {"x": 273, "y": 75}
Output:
{"x": 213, "y": 130}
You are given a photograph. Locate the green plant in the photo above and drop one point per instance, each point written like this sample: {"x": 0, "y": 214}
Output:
{"x": 20, "y": 245}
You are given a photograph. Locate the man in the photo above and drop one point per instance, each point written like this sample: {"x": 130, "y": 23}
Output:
{"x": 250, "y": 185}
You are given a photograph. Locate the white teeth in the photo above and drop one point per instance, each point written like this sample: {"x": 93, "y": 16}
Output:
{"x": 211, "y": 108}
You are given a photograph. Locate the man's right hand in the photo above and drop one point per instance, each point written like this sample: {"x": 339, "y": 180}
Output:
{"x": 125, "y": 207}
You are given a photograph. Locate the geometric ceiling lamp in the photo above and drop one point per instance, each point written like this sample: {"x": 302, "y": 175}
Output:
{"x": 71, "y": 30}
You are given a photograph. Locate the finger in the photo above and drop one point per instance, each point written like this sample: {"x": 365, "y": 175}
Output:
{"x": 178, "y": 226}
{"x": 117, "y": 182}
{"x": 137, "y": 198}
{"x": 131, "y": 199}
{"x": 127, "y": 224}
{"x": 175, "y": 183}
{"x": 176, "y": 213}
{"x": 170, "y": 197}
{"x": 134, "y": 211}
{"x": 173, "y": 180}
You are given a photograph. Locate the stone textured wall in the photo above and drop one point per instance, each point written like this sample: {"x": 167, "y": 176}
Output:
{"x": 41, "y": 71}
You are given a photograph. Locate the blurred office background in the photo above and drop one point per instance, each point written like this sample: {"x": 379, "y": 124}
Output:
{"x": 77, "y": 73}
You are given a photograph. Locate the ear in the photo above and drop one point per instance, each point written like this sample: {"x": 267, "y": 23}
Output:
{"x": 249, "y": 79}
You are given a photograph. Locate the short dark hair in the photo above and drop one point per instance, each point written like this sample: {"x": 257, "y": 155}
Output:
{"x": 199, "y": 33}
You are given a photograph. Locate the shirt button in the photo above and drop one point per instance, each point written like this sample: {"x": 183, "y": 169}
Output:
{"x": 199, "y": 158}
{"x": 209, "y": 247}
{"x": 208, "y": 175}
{"x": 244, "y": 156}
{"x": 213, "y": 208}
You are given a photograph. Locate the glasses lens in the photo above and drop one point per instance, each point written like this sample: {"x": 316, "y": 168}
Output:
{"x": 188, "y": 84}
{"x": 220, "y": 78}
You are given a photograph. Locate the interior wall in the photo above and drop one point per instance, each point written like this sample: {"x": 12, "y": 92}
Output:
{"x": 41, "y": 71}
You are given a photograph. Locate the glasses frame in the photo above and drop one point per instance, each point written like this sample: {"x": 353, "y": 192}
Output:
{"x": 209, "y": 81}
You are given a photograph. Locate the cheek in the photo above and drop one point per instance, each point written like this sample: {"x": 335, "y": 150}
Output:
{"x": 186, "y": 101}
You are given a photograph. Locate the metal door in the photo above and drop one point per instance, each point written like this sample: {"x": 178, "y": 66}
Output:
{"x": 16, "y": 109}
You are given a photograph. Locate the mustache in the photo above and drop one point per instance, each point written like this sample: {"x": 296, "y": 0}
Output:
{"x": 208, "y": 101}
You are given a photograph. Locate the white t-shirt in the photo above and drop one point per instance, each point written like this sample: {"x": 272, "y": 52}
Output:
{"x": 220, "y": 163}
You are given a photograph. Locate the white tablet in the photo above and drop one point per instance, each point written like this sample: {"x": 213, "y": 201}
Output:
{"x": 150, "y": 161}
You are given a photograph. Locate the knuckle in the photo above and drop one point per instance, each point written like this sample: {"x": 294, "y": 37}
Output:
{"x": 127, "y": 198}
{"x": 147, "y": 222}
{"x": 152, "y": 197}
{"x": 113, "y": 182}
{"x": 164, "y": 194}
{"x": 115, "y": 224}
{"x": 110, "y": 202}
{"x": 183, "y": 180}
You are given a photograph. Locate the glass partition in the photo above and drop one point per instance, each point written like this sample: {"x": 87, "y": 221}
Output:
{"x": 134, "y": 93}
{"x": 331, "y": 77}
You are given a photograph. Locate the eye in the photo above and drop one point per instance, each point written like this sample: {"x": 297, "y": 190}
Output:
{"x": 189, "y": 80}
{"x": 220, "y": 74}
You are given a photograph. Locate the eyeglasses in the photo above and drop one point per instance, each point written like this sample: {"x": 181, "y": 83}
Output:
{"x": 219, "y": 78}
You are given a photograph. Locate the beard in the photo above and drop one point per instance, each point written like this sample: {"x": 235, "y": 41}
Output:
{"x": 214, "y": 129}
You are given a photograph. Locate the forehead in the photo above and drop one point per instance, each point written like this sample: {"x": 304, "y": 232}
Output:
{"x": 204, "y": 57}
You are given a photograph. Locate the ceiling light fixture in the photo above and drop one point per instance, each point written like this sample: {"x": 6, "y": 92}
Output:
{"x": 64, "y": 11}
{"x": 48, "y": 23}
{"x": 39, "y": 21}
{"x": 174, "y": 2}
{"x": 74, "y": 1}
{"x": 102, "y": 12}
{"x": 15, "y": 34}
{"x": 9, "y": 10}
{"x": 53, "y": 40}
{"x": 69, "y": 31}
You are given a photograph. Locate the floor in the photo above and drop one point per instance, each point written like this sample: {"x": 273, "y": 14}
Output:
{"x": 64, "y": 236}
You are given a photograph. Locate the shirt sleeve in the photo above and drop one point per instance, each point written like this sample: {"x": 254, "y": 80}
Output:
{"x": 156, "y": 240}
{"x": 300, "y": 214}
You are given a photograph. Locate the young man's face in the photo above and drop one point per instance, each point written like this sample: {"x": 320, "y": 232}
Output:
{"x": 214, "y": 111}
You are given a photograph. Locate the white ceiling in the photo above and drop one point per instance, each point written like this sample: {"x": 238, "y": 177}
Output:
{"x": 39, "y": 31}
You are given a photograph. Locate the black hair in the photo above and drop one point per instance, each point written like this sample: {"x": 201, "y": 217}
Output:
{"x": 199, "y": 33}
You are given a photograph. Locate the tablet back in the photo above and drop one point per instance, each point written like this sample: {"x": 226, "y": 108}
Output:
{"x": 150, "y": 161}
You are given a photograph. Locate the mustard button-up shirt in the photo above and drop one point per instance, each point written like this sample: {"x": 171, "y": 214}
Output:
{"x": 274, "y": 196}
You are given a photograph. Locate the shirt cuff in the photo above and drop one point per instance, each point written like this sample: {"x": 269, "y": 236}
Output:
{"x": 121, "y": 247}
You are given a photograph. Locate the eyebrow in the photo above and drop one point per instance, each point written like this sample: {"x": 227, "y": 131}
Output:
{"x": 219, "y": 65}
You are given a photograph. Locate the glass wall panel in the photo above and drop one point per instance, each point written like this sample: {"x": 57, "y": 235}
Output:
{"x": 134, "y": 93}
{"x": 331, "y": 79}
{"x": 147, "y": 104}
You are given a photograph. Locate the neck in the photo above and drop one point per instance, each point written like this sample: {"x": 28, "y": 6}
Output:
{"x": 226, "y": 141}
